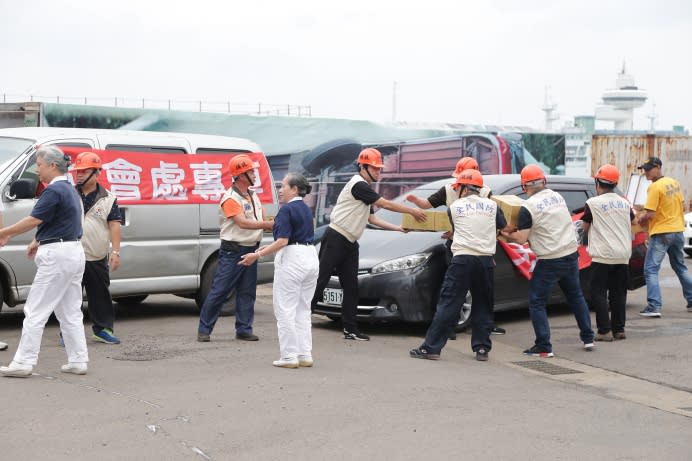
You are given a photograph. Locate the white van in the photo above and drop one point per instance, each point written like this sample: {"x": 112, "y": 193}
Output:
{"x": 166, "y": 248}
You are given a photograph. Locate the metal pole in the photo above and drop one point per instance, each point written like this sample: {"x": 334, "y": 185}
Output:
{"x": 228, "y": 104}
{"x": 259, "y": 109}
{"x": 169, "y": 104}
{"x": 200, "y": 106}
{"x": 116, "y": 101}
{"x": 57, "y": 99}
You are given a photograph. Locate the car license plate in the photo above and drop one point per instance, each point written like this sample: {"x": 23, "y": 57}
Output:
{"x": 333, "y": 296}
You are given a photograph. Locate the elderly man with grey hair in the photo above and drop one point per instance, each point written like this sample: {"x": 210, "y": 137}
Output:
{"x": 59, "y": 258}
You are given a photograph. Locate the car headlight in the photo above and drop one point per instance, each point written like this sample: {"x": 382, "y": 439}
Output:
{"x": 399, "y": 264}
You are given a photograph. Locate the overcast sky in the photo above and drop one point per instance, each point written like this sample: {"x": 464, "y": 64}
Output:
{"x": 453, "y": 60}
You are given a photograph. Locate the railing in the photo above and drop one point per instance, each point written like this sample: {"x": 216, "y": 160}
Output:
{"x": 228, "y": 107}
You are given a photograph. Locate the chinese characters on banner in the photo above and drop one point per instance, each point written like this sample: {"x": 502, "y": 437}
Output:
{"x": 142, "y": 177}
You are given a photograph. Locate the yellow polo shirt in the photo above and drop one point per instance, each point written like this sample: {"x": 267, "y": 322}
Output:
{"x": 664, "y": 196}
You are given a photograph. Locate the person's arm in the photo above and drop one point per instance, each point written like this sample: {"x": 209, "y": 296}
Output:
{"x": 418, "y": 214}
{"x": 422, "y": 203}
{"x": 645, "y": 218}
{"x": 21, "y": 226}
{"x": 521, "y": 235}
{"x": 586, "y": 219}
{"x": 250, "y": 258}
{"x": 233, "y": 210}
{"x": 375, "y": 221}
{"x": 114, "y": 258}
{"x": 433, "y": 201}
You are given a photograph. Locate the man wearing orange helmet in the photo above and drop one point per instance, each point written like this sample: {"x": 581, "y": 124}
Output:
{"x": 446, "y": 195}
{"x": 607, "y": 219}
{"x": 545, "y": 222}
{"x": 339, "y": 247}
{"x": 476, "y": 222}
{"x": 241, "y": 233}
{"x": 101, "y": 231}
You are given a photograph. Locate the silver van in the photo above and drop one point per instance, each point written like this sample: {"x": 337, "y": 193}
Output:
{"x": 166, "y": 248}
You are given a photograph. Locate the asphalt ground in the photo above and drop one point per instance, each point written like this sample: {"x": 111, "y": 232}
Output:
{"x": 162, "y": 395}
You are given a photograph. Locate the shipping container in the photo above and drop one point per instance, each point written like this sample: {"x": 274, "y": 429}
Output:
{"x": 627, "y": 152}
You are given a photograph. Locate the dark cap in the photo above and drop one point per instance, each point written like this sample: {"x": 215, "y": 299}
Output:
{"x": 653, "y": 162}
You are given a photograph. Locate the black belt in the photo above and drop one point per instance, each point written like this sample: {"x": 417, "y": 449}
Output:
{"x": 299, "y": 243}
{"x": 56, "y": 240}
{"x": 229, "y": 245}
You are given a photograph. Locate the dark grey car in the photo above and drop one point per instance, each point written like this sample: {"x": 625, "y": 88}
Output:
{"x": 400, "y": 275}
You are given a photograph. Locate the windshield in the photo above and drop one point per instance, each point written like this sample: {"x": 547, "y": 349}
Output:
{"x": 12, "y": 147}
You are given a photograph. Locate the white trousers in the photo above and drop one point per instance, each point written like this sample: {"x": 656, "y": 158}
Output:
{"x": 295, "y": 275}
{"x": 57, "y": 288}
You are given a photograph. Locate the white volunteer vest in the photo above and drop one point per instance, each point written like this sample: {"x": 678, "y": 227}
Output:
{"x": 552, "y": 233}
{"x": 610, "y": 233}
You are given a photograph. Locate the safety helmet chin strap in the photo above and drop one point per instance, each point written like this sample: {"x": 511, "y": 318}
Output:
{"x": 93, "y": 172}
{"x": 367, "y": 170}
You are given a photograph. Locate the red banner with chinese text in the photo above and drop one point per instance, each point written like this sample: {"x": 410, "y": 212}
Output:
{"x": 146, "y": 177}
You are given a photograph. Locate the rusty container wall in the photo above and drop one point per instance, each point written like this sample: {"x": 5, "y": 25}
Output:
{"x": 629, "y": 151}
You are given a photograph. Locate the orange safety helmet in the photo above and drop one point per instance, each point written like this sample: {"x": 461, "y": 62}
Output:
{"x": 470, "y": 177}
{"x": 608, "y": 174}
{"x": 240, "y": 164}
{"x": 370, "y": 156}
{"x": 531, "y": 173}
{"x": 87, "y": 160}
{"x": 465, "y": 163}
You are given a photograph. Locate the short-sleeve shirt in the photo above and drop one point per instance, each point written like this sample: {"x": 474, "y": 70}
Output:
{"x": 365, "y": 193}
{"x": 89, "y": 199}
{"x": 665, "y": 198}
{"x": 294, "y": 222}
{"x": 60, "y": 210}
{"x": 439, "y": 198}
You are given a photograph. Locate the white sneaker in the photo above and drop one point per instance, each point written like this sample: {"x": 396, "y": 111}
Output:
{"x": 588, "y": 347}
{"x": 77, "y": 368}
{"x": 286, "y": 363}
{"x": 3, "y": 346}
{"x": 16, "y": 370}
{"x": 305, "y": 361}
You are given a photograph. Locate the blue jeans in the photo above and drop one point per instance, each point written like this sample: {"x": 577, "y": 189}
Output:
{"x": 475, "y": 273}
{"x": 660, "y": 244}
{"x": 564, "y": 271}
{"x": 230, "y": 275}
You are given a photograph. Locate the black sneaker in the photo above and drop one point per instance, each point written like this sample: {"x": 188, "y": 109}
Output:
{"x": 246, "y": 337}
{"x": 536, "y": 351}
{"x": 356, "y": 336}
{"x": 453, "y": 335}
{"x": 422, "y": 353}
{"x": 482, "y": 355}
{"x": 497, "y": 331}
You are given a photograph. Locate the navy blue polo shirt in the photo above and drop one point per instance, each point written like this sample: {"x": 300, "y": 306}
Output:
{"x": 60, "y": 209}
{"x": 294, "y": 222}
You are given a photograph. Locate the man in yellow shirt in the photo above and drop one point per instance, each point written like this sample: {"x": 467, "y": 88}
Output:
{"x": 665, "y": 210}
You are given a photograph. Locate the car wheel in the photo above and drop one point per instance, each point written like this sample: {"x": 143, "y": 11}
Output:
{"x": 689, "y": 252}
{"x": 465, "y": 315}
{"x": 228, "y": 307}
{"x": 130, "y": 299}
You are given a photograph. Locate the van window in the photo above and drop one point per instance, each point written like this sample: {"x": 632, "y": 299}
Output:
{"x": 11, "y": 147}
{"x": 151, "y": 149}
{"x": 575, "y": 199}
{"x": 74, "y": 144}
{"x": 209, "y": 150}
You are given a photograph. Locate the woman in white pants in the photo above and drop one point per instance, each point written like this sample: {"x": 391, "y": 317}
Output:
{"x": 295, "y": 272}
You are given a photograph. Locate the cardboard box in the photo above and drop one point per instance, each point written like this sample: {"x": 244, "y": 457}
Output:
{"x": 510, "y": 205}
{"x": 637, "y": 228}
{"x": 435, "y": 221}
{"x": 442, "y": 221}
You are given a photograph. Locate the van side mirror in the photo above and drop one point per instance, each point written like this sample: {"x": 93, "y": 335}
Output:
{"x": 22, "y": 188}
